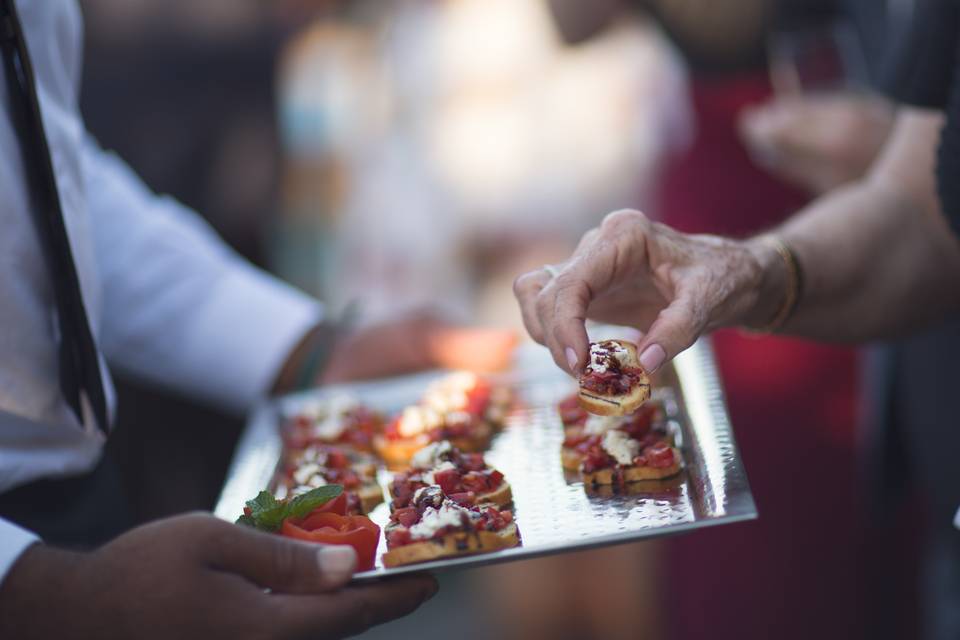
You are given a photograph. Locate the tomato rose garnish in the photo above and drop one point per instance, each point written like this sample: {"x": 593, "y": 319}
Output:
{"x": 326, "y": 527}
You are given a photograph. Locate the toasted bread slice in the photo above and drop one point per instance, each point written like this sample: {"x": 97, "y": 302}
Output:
{"x": 370, "y": 496}
{"x": 453, "y": 544}
{"x": 632, "y": 474}
{"x": 501, "y": 496}
{"x": 570, "y": 458}
{"x": 667, "y": 488}
{"x": 619, "y": 405}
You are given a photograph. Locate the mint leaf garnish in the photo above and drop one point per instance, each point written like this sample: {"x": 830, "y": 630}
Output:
{"x": 267, "y": 513}
{"x": 304, "y": 504}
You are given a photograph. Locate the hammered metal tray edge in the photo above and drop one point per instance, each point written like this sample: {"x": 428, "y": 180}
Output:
{"x": 714, "y": 489}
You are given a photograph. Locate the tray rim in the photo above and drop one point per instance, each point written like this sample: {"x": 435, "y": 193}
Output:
{"x": 703, "y": 403}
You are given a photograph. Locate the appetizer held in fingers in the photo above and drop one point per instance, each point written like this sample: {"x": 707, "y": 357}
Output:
{"x": 613, "y": 383}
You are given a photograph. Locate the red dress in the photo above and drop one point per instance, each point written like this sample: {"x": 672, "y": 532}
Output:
{"x": 794, "y": 572}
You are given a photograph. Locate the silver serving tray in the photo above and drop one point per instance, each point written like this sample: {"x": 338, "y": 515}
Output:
{"x": 553, "y": 510}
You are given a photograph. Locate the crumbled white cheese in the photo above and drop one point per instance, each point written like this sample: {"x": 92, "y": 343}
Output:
{"x": 450, "y": 393}
{"x": 415, "y": 420}
{"x": 303, "y": 473}
{"x": 428, "y": 476}
{"x": 620, "y": 446}
{"x": 329, "y": 415}
{"x": 600, "y": 350}
{"x": 597, "y": 425}
{"x": 450, "y": 514}
{"x": 431, "y": 455}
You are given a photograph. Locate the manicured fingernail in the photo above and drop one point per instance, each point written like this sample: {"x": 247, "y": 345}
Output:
{"x": 337, "y": 560}
{"x": 571, "y": 359}
{"x": 652, "y": 357}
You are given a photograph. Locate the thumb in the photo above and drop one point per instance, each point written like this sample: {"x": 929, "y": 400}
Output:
{"x": 675, "y": 329}
{"x": 282, "y": 564}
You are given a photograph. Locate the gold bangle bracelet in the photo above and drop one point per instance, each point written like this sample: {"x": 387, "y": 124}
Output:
{"x": 794, "y": 286}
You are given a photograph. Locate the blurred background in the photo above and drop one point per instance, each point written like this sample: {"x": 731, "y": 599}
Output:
{"x": 425, "y": 152}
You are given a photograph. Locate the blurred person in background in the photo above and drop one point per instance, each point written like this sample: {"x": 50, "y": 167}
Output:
{"x": 875, "y": 258}
{"x": 734, "y": 180}
{"x": 186, "y": 93}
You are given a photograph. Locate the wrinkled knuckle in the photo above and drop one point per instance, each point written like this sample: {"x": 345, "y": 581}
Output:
{"x": 522, "y": 284}
{"x": 543, "y": 304}
{"x": 566, "y": 283}
{"x": 620, "y": 221}
{"x": 201, "y": 524}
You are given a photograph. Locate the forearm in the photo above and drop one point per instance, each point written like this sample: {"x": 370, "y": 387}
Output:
{"x": 878, "y": 257}
{"x": 578, "y": 20}
{"x": 706, "y": 28}
{"x": 700, "y": 26}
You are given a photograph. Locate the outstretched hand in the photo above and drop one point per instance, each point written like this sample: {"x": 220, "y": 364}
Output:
{"x": 195, "y": 576}
{"x": 631, "y": 271}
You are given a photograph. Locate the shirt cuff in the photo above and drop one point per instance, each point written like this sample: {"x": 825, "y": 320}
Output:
{"x": 241, "y": 338}
{"x": 14, "y": 541}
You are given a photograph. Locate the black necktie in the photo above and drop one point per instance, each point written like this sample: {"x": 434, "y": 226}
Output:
{"x": 79, "y": 361}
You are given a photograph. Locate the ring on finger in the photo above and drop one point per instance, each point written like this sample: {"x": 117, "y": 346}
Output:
{"x": 552, "y": 270}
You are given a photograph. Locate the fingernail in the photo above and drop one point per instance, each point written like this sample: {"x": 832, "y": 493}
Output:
{"x": 652, "y": 357}
{"x": 337, "y": 560}
{"x": 571, "y": 359}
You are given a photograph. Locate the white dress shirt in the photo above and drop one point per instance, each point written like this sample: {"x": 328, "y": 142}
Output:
{"x": 168, "y": 301}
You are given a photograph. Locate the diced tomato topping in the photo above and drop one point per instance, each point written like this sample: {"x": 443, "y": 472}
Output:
{"x": 349, "y": 478}
{"x": 495, "y": 520}
{"x": 465, "y": 498}
{"x": 403, "y": 490}
{"x": 574, "y": 439}
{"x": 398, "y": 537}
{"x": 659, "y": 455}
{"x": 478, "y": 398}
{"x": 640, "y": 422}
{"x": 596, "y": 458}
{"x": 610, "y": 382}
{"x": 472, "y": 462}
{"x": 448, "y": 479}
{"x": 494, "y": 479}
{"x": 392, "y": 430}
{"x": 337, "y": 459}
{"x": 571, "y": 413}
{"x": 591, "y": 442}
{"x": 650, "y": 439}
{"x": 406, "y": 516}
{"x": 475, "y": 481}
